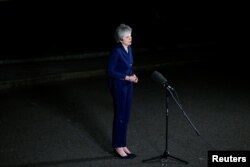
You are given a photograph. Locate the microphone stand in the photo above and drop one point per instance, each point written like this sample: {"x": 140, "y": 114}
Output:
{"x": 165, "y": 155}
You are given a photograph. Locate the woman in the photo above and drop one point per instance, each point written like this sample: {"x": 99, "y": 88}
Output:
{"x": 121, "y": 79}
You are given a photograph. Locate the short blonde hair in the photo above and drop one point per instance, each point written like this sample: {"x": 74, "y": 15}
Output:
{"x": 121, "y": 31}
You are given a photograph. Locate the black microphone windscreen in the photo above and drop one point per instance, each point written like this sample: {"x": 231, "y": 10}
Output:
{"x": 158, "y": 77}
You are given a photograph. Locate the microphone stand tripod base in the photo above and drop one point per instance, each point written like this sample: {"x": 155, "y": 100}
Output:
{"x": 164, "y": 158}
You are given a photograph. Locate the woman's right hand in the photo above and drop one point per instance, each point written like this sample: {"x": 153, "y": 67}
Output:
{"x": 132, "y": 78}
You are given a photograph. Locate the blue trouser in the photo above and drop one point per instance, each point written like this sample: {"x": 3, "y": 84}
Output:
{"x": 122, "y": 95}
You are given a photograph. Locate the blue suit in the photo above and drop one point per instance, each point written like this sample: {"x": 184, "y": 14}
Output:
{"x": 119, "y": 65}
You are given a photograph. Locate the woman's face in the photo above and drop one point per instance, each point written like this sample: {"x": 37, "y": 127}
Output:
{"x": 127, "y": 40}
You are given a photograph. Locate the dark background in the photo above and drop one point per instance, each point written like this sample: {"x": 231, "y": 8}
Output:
{"x": 46, "y": 121}
{"x": 35, "y": 29}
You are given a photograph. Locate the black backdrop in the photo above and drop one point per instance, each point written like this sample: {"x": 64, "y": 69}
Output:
{"x": 32, "y": 29}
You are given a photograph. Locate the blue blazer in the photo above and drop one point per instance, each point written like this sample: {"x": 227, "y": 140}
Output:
{"x": 120, "y": 63}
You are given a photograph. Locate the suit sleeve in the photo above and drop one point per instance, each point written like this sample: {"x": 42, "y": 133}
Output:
{"x": 112, "y": 65}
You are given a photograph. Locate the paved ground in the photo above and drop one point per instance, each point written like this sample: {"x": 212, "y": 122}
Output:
{"x": 25, "y": 72}
{"x": 68, "y": 123}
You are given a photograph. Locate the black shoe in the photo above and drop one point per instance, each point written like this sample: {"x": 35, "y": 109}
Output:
{"x": 132, "y": 155}
{"x": 128, "y": 156}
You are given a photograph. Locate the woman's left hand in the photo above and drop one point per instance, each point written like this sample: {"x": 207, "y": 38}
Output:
{"x": 134, "y": 78}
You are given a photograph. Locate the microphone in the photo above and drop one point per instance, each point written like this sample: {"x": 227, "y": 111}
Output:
{"x": 158, "y": 77}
